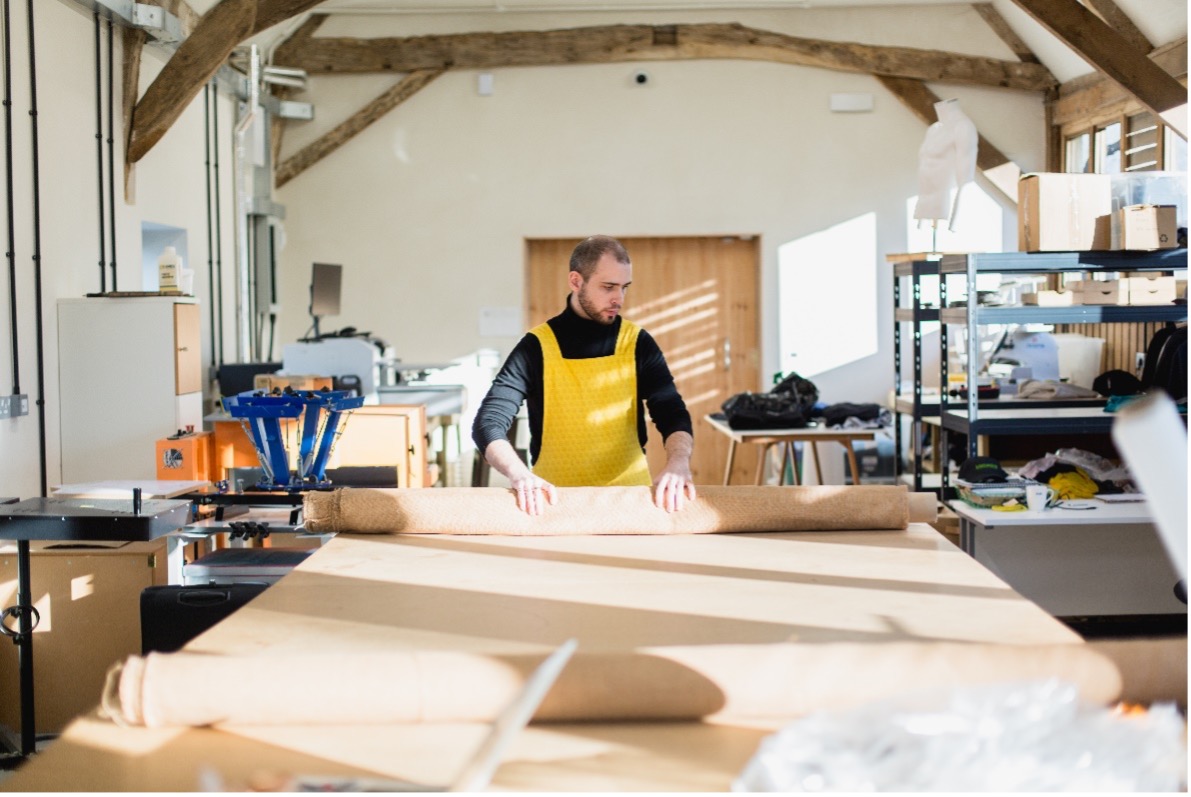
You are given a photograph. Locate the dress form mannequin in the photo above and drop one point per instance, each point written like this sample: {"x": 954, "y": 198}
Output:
{"x": 946, "y": 159}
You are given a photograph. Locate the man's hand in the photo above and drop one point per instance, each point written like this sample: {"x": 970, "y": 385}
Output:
{"x": 675, "y": 483}
{"x": 532, "y": 493}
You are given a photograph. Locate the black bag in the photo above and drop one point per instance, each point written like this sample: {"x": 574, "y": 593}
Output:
{"x": 787, "y": 406}
{"x": 1166, "y": 362}
{"x": 803, "y": 390}
{"x": 763, "y": 411}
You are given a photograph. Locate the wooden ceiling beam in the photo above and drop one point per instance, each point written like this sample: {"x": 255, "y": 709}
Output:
{"x": 1108, "y": 51}
{"x": 359, "y": 121}
{"x": 133, "y": 46}
{"x": 196, "y": 61}
{"x": 620, "y": 43}
{"x": 1119, "y": 21}
{"x": 1007, "y": 34}
{"x": 1092, "y": 98}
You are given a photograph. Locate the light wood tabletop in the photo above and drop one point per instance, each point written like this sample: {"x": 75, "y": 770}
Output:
{"x": 519, "y": 594}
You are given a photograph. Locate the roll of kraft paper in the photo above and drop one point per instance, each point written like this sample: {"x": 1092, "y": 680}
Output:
{"x": 663, "y": 683}
{"x": 615, "y": 510}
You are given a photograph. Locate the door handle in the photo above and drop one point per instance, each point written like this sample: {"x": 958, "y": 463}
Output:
{"x": 727, "y": 353}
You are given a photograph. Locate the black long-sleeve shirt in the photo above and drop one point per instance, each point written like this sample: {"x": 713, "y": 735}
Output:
{"x": 520, "y": 379}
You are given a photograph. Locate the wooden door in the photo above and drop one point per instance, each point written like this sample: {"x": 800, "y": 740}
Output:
{"x": 697, "y": 297}
{"x": 188, "y": 358}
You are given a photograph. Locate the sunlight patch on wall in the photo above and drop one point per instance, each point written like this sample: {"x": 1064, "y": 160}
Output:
{"x": 827, "y": 284}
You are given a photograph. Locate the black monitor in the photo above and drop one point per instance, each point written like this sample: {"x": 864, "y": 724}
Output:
{"x": 238, "y": 377}
{"x": 325, "y": 282}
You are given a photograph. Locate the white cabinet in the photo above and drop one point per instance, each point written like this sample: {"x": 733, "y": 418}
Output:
{"x": 129, "y": 373}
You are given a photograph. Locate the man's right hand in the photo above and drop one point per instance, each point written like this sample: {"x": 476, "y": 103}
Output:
{"x": 533, "y": 493}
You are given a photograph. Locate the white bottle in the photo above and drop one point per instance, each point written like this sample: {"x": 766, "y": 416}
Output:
{"x": 168, "y": 266}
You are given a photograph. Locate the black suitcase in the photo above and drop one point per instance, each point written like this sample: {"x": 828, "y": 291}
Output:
{"x": 173, "y": 615}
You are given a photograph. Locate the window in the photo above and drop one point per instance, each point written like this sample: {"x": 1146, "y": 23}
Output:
{"x": 1079, "y": 153}
{"x": 1108, "y": 149}
{"x": 1134, "y": 143}
{"x": 1174, "y": 150}
{"x": 1142, "y": 151}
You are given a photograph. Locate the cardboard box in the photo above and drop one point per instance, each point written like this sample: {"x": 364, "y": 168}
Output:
{"x": 1101, "y": 291}
{"x": 268, "y": 382}
{"x": 189, "y": 457}
{"x": 89, "y": 601}
{"x": 1147, "y": 188}
{"x": 1050, "y": 299}
{"x": 1151, "y": 290}
{"x": 1058, "y": 212}
{"x": 1148, "y": 227}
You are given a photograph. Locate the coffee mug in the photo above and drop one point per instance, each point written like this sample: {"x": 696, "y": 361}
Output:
{"x": 1038, "y": 497}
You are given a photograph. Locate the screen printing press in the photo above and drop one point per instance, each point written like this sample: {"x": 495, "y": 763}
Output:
{"x": 368, "y": 597}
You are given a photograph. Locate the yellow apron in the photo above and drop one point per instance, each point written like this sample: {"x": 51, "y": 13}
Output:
{"x": 589, "y": 416}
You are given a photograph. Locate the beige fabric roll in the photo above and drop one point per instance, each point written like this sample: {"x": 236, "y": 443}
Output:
{"x": 1152, "y": 670}
{"x": 665, "y": 683}
{"x": 613, "y": 510}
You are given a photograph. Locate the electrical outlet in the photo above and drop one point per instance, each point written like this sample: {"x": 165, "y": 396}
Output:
{"x": 1139, "y": 361}
{"x": 14, "y": 406}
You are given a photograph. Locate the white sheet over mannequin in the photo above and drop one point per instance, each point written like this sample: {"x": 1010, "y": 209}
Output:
{"x": 946, "y": 159}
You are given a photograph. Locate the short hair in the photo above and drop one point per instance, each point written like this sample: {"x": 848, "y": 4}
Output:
{"x": 590, "y": 250}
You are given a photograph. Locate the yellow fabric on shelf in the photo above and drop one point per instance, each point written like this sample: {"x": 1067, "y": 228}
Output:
{"x": 1073, "y": 485}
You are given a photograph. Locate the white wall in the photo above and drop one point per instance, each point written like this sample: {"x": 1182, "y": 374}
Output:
{"x": 428, "y": 209}
{"x": 170, "y": 189}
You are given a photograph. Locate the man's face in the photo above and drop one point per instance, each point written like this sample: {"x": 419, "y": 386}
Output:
{"x": 601, "y": 297}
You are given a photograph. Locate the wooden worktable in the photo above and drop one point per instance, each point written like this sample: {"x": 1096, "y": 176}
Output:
{"x": 506, "y": 594}
{"x": 786, "y": 438}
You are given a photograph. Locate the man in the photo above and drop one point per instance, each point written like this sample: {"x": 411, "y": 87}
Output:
{"x": 585, "y": 375}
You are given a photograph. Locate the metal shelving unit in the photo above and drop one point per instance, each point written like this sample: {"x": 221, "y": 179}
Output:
{"x": 913, "y": 267}
{"x": 974, "y": 418}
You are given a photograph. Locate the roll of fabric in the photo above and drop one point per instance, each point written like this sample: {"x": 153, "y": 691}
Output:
{"x": 615, "y": 510}
{"x": 663, "y": 683}
{"x": 1152, "y": 670}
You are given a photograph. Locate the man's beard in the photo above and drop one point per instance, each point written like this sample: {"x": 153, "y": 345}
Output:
{"x": 591, "y": 310}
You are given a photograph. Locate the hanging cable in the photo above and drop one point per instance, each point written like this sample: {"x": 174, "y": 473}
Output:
{"x": 11, "y": 253}
{"x": 272, "y": 291}
{"x": 111, "y": 153}
{"x": 218, "y": 224}
{"x": 103, "y": 283}
{"x": 41, "y": 432}
{"x": 210, "y": 252}
{"x": 253, "y": 328}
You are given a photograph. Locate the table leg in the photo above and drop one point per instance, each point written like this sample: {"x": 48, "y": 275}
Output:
{"x": 852, "y": 462}
{"x": 788, "y": 451}
{"x": 818, "y": 468}
{"x": 24, "y": 642}
{"x": 731, "y": 461}
{"x": 763, "y": 450}
{"x": 175, "y": 557}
